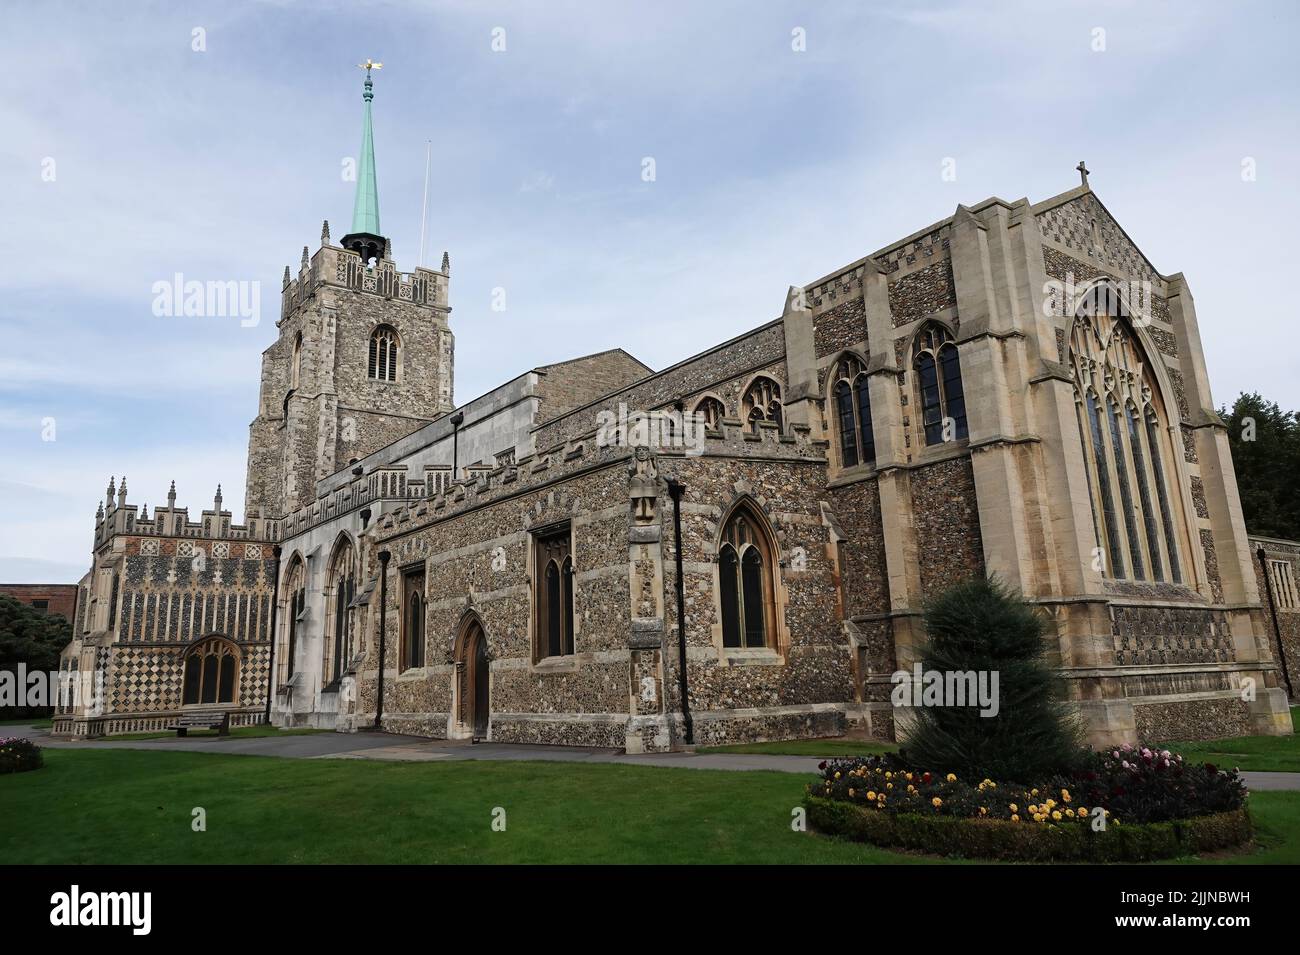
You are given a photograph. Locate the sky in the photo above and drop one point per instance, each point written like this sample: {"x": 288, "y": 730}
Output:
{"x": 144, "y": 140}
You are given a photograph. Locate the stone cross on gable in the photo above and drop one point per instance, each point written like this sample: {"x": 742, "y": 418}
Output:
{"x": 1083, "y": 171}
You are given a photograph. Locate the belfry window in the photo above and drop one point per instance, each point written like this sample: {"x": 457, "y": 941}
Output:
{"x": 746, "y": 564}
{"x": 384, "y": 352}
{"x": 852, "y": 407}
{"x": 942, "y": 398}
{"x": 553, "y": 617}
{"x": 762, "y": 402}
{"x": 211, "y": 668}
{"x": 1128, "y": 454}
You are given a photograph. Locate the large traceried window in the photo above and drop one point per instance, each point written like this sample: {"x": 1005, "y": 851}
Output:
{"x": 341, "y": 590}
{"x": 851, "y": 401}
{"x": 762, "y": 402}
{"x": 553, "y": 624}
{"x": 384, "y": 348}
{"x": 293, "y": 600}
{"x": 211, "y": 669}
{"x": 747, "y": 590}
{"x": 712, "y": 411}
{"x": 1128, "y": 447}
{"x": 939, "y": 390}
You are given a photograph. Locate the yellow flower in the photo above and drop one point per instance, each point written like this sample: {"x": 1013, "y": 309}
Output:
{"x": 889, "y": 785}
{"x": 1057, "y": 815}
{"x": 871, "y": 794}
{"x": 1051, "y": 803}
{"x": 911, "y": 788}
{"x": 984, "y": 810}
{"x": 1083, "y": 813}
{"x": 1014, "y": 817}
{"x": 951, "y": 778}
{"x": 1065, "y": 795}
{"x": 1033, "y": 792}
{"x": 837, "y": 775}
{"x": 1014, "y": 808}
{"x": 852, "y": 792}
{"x": 936, "y": 802}
{"x": 1032, "y": 809}
{"x": 909, "y": 777}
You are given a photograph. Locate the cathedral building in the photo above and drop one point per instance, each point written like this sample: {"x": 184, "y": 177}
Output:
{"x": 737, "y": 547}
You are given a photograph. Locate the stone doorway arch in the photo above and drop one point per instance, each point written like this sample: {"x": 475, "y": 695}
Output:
{"x": 473, "y": 679}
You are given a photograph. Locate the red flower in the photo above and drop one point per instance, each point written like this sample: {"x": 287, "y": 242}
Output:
{"x": 822, "y": 764}
{"x": 925, "y": 777}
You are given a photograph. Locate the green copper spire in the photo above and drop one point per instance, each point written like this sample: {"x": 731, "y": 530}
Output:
{"x": 365, "y": 211}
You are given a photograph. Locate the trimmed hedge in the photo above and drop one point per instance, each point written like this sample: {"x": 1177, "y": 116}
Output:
{"x": 1029, "y": 842}
{"x": 19, "y": 755}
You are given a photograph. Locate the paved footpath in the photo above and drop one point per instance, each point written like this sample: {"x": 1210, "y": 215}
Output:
{"x": 386, "y": 746}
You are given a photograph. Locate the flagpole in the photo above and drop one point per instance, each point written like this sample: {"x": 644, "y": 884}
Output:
{"x": 424, "y": 205}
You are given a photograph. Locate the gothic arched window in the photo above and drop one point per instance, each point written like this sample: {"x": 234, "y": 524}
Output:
{"x": 746, "y": 581}
{"x": 852, "y": 405}
{"x": 554, "y": 620}
{"x": 293, "y": 600}
{"x": 384, "y": 352}
{"x": 413, "y": 622}
{"x": 211, "y": 670}
{"x": 712, "y": 411}
{"x": 939, "y": 389}
{"x": 762, "y": 402}
{"x": 1127, "y": 448}
{"x": 341, "y": 588}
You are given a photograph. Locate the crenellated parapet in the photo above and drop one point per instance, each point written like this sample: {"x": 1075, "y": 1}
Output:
{"x": 116, "y": 517}
{"x": 332, "y": 266}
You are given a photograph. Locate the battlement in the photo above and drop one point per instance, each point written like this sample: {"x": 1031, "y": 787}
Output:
{"x": 116, "y": 517}
{"x": 336, "y": 267}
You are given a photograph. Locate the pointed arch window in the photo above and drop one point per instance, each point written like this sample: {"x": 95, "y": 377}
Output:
{"x": 746, "y": 581}
{"x": 295, "y": 369}
{"x": 211, "y": 668}
{"x": 762, "y": 402}
{"x": 712, "y": 412}
{"x": 413, "y": 622}
{"x": 384, "y": 353}
{"x": 940, "y": 393}
{"x": 553, "y": 618}
{"x": 852, "y": 404}
{"x": 1128, "y": 457}
{"x": 341, "y": 587}
{"x": 293, "y": 602}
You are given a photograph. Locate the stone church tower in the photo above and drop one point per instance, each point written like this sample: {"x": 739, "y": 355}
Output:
{"x": 364, "y": 356}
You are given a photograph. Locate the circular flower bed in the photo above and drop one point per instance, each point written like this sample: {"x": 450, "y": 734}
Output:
{"x": 19, "y": 755}
{"x": 1125, "y": 805}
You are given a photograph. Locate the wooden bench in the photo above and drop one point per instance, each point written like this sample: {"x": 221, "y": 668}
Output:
{"x": 202, "y": 721}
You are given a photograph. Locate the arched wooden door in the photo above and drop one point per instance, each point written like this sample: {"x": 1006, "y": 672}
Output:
{"x": 475, "y": 707}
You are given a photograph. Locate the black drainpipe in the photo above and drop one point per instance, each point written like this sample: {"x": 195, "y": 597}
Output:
{"x": 1277, "y": 633}
{"x": 275, "y": 606}
{"x": 383, "y": 619}
{"x": 675, "y": 489}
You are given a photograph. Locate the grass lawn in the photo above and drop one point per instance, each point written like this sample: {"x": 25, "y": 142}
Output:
{"x": 94, "y": 806}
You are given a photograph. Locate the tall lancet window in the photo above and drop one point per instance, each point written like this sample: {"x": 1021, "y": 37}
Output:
{"x": 1128, "y": 448}
{"x": 851, "y": 401}
{"x": 295, "y": 370}
{"x": 384, "y": 353}
{"x": 341, "y": 589}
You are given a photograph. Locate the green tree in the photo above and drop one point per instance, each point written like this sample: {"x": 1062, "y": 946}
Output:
{"x": 30, "y": 636}
{"x": 1265, "y": 443}
{"x": 978, "y": 625}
